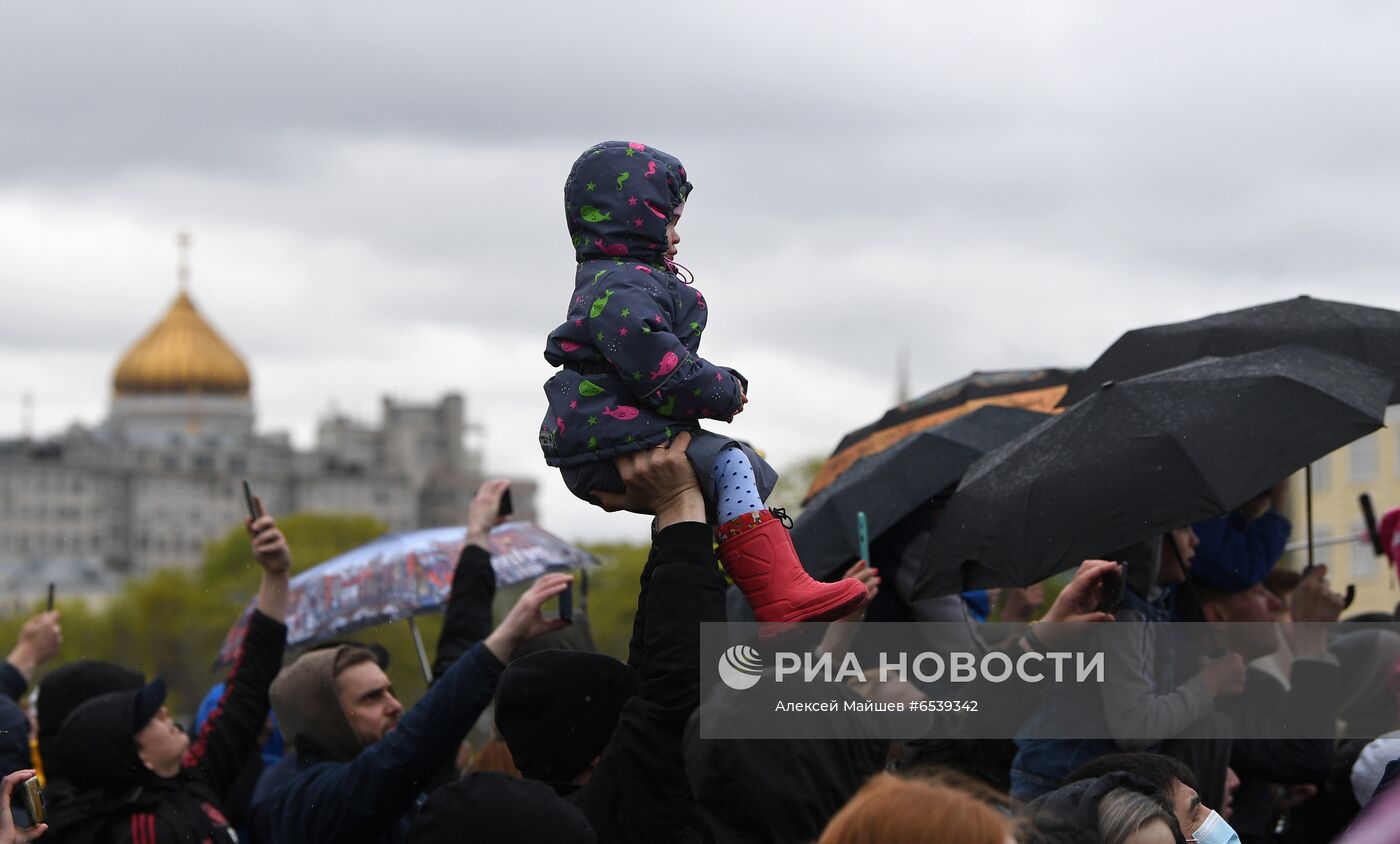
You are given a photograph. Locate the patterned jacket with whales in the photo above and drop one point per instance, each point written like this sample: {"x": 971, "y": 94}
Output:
{"x": 632, "y": 375}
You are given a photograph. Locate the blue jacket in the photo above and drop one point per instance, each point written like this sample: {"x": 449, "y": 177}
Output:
{"x": 368, "y": 798}
{"x": 1236, "y": 554}
{"x": 632, "y": 374}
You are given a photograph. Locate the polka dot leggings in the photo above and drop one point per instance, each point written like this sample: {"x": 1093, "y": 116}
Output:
{"x": 734, "y": 485}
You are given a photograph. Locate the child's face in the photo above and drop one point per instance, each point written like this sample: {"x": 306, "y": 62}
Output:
{"x": 672, "y": 238}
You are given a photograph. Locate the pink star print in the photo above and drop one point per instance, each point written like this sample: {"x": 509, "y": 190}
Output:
{"x": 637, "y": 222}
{"x": 631, "y": 200}
{"x": 719, "y": 376}
{"x": 657, "y": 318}
{"x": 578, "y": 321}
{"x": 622, "y": 331}
{"x": 573, "y": 405}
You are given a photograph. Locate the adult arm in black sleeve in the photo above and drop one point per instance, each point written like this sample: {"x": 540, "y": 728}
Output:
{"x": 230, "y": 735}
{"x": 638, "y": 791}
{"x": 467, "y": 619}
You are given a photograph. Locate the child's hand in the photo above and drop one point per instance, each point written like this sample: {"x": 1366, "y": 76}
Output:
{"x": 743, "y": 400}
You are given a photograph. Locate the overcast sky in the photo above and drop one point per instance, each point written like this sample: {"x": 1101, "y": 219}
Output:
{"x": 375, "y": 190}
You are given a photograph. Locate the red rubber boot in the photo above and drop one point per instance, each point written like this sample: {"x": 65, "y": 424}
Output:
{"x": 758, "y": 554}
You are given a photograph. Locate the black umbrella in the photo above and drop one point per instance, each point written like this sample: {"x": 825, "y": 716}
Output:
{"x": 1370, "y": 335}
{"x": 890, "y": 485}
{"x": 1144, "y": 456}
{"x": 1029, "y": 389}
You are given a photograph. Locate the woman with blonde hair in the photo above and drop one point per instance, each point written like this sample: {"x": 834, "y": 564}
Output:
{"x": 891, "y": 810}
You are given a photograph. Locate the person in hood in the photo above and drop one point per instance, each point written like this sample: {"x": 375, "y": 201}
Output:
{"x": 1100, "y": 811}
{"x": 361, "y": 759}
{"x": 137, "y": 776}
{"x": 631, "y": 377}
{"x": 1175, "y": 782}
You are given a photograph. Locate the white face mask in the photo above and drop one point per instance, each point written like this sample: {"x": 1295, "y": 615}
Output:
{"x": 1214, "y": 830}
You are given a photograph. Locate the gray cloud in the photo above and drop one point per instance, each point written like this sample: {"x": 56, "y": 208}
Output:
{"x": 994, "y": 184}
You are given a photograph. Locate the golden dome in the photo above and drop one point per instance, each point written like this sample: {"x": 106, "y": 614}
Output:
{"x": 181, "y": 354}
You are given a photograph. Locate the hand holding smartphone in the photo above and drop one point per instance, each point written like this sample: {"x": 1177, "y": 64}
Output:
{"x": 563, "y": 603}
{"x": 1112, "y": 587}
{"x": 254, "y": 511}
{"x": 27, "y": 806}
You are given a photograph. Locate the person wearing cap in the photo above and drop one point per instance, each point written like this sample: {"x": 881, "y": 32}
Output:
{"x": 137, "y": 776}
{"x": 607, "y": 736}
{"x": 361, "y": 760}
{"x": 63, "y": 690}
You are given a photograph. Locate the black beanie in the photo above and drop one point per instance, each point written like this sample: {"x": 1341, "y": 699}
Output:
{"x": 65, "y": 689}
{"x": 494, "y": 808}
{"x": 558, "y": 709}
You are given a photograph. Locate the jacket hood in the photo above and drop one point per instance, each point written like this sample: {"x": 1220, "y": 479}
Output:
{"x": 619, "y": 197}
{"x": 97, "y": 743}
{"x": 1071, "y": 813}
{"x": 308, "y": 708}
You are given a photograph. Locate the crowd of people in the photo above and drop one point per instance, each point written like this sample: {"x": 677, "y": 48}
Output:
{"x": 1234, "y": 734}
{"x": 589, "y": 748}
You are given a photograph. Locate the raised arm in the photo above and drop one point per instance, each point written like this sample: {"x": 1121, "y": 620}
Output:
{"x": 639, "y": 786}
{"x": 467, "y": 619}
{"x": 230, "y": 734}
{"x": 40, "y": 640}
{"x": 363, "y": 798}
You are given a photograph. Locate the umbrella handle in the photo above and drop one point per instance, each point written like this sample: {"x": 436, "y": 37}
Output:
{"x": 422, "y": 651}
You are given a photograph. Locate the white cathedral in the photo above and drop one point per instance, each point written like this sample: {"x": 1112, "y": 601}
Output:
{"x": 162, "y": 475}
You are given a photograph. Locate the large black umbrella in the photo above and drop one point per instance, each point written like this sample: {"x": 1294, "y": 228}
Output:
{"x": 890, "y": 485}
{"x": 1370, "y": 335}
{"x": 1029, "y": 389}
{"x": 1143, "y": 456}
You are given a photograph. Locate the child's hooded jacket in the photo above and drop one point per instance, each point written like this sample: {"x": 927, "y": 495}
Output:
{"x": 632, "y": 375}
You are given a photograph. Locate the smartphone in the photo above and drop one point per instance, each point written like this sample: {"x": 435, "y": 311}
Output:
{"x": 566, "y": 603}
{"x": 1113, "y": 585}
{"x": 253, "y": 512}
{"x": 507, "y": 508}
{"x": 51, "y": 590}
{"x": 561, "y": 605}
{"x": 863, "y": 535}
{"x": 28, "y": 807}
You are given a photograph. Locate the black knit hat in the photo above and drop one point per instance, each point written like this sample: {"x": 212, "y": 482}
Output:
{"x": 558, "y": 709}
{"x": 65, "y": 689}
{"x": 494, "y": 808}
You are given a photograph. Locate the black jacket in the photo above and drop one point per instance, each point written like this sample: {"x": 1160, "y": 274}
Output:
{"x": 118, "y": 803}
{"x": 638, "y": 792}
{"x": 467, "y": 617}
{"x": 1267, "y": 711}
